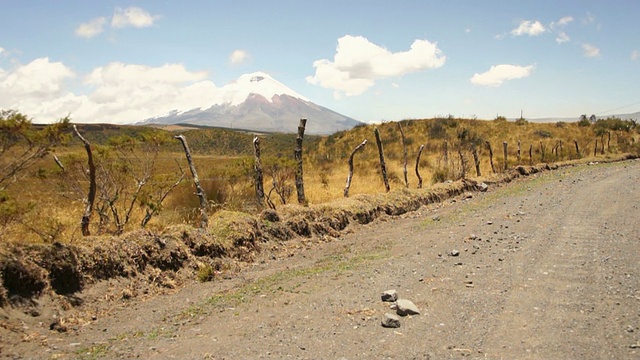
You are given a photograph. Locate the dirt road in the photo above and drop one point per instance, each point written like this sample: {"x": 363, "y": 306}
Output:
{"x": 542, "y": 268}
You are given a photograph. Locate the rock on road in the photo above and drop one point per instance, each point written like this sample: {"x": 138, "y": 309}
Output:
{"x": 546, "y": 268}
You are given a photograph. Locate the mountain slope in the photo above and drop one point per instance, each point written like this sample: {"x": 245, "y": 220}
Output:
{"x": 259, "y": 102}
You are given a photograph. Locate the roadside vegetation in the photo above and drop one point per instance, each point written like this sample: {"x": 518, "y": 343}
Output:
{"x": 142, "y": 178}
{"x": 82, "y": 203}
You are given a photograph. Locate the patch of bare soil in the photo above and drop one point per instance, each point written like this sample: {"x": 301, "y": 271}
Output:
{"x": 543, "y": 267}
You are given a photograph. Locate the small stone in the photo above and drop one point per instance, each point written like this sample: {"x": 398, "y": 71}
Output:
{"x": 454, "y": 253}
{"x": 482, "y": 187}
{"x": 467, "y": 195}
{"x": 406, "y": 307}
{"x": 390, "y": 321}
{"x": 436, "y": 218}
{"x": 390, "y": 296}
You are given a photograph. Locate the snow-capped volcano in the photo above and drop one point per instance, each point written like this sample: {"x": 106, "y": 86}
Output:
{"x": 259, "y": 102}
{"x": 258, "y": 83}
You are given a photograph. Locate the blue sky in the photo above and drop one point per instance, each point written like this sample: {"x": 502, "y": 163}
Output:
{"x": 123, "y": 61}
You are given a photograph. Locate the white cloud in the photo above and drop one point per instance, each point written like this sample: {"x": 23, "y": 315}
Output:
{"x": 501, "y": 73}
{"x": 358, "y": 63}
{"x": 132, "y": 16}
{"x": 530, "y": 28}
{"x": 118, "y": 93}
{"x": 635, "y": 55}
{"x": 1, "y": 51}
{"x": 564, "y": 21}
{"x": 562, "y": 37}
{"x": 238, "y": 57}
{"x": 91, "y": 28}
{"x": 590, "y": 51}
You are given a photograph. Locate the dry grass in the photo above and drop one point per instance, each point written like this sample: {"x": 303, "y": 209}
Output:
{"x": 227, "y": 179}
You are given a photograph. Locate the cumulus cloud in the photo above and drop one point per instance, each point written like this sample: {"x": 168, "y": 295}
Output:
{"x": 117, "y": 92}
{"x": 527, "y": 27}
{"x": 635, "y": 55}
{"x": 357, "y": 63}
{"x": 589, "y": 50}
{"x": 91, "y": 28}
{"x": 132, "y": 16}
{"x": 238, "y": 57}
{"x": 498, "y": 74}
{"x": 129, "y": 17}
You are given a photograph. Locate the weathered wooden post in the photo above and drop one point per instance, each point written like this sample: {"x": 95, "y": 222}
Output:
{"x": 530, "y": 154}
{"x": 445, "y": 151}
{"x": 518, "y": 153}
{"x": 257, "y": 172}
{"x": 204, "y": 218}
{"x": 542, "y": 157}
{"x": 609, "y": 141}
{"x": 404, "y": 151}
{"x": 493, "y": 169}
{"x": 595, "y": 148}
{"x": 91, "y": 196}
{"x": 346, "y": 188}
{"x": 476, "y": 160}
{"x": 383, "y": 166}
{"x": 602, "y": 144}
{"x": 417, "y": 164}
{"x": 463, "y": 164}
{"x": 298, "y": 158}
{"x": 577, "y": 148}
{"x": 506, "y": 161}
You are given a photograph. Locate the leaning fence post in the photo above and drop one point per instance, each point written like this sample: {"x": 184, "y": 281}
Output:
{"x": 346, "y": 188}
{"x": 204, "y": 219}
{"x": 476, "y": 160}
{"x": 493, "y": 169}
{"x": 91, "y": 196}
{"x": 404, "y": 151}
{"x": 504, "y": 148}
{"x": 383, "y": 166}
{"x": 418, "y": 163}
{"x": 577, "y": 148}
{"x": 298, "y": 158}
{"x": 257, "y": 169}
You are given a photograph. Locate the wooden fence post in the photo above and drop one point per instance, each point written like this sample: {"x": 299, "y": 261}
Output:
{"x": 493, "y": 169}
{"x": 577, "y": 148}
{"x": 463, "y": 164}
{"x": 257, "y": 170}
{"x": 530, "y": 154}
{"x": 595, "y": 148}
{"x": 404, "y": 151}
{"x": 602, "y": 144}
{"x": 298, "y": 158}
{"x": 476, "y": 160}
{"x": 542, "y": 152}
{"x": 346, "y": 188}
{"x": 518, "y": 154}
{"x": 383, "y": 166}
{"x": 204, "y": 218}
{"x": 417, "y": 164}
{"x": 506, "y": 161}
{"x": 91, "y": 196}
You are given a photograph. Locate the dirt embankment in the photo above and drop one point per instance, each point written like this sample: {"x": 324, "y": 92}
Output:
{"x": 57, "y": 286}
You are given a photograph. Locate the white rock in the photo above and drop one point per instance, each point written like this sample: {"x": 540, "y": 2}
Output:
{"x": 406, "y": 307}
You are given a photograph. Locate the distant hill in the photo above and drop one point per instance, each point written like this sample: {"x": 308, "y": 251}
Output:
{"x": 258, "y": 102}
{"x": 632, "y": 116}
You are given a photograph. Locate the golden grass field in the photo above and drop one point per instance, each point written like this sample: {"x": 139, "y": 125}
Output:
{"x": 224, "y": 161}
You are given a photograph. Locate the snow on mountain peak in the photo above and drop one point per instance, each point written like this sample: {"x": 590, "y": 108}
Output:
{"x": 259, "y": 83}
